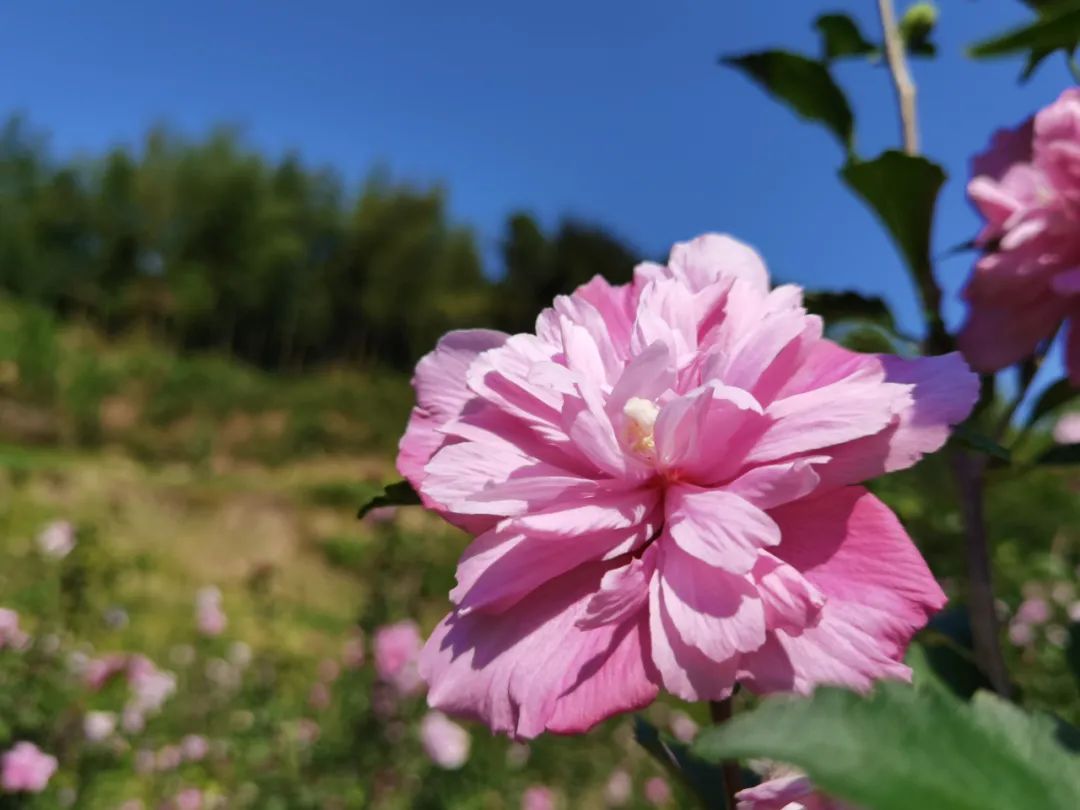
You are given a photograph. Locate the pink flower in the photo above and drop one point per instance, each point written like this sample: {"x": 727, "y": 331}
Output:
{"x": 57, "y": 540}
{"x": 99, "y": 671}
{"x": 11, "y": 636}
{"x": 1034, "y": 611}
{"x": 397, "y": 647}
{"x": 619, "y": 789}
{"x": 657, "y": 791}
{"x": 538, "y": 797}
{"x": 1027, "y": 188}
{"x": 352, "y": 651}
{"x": 187, "y": 799}
{"x": 150, "y": 686}
{"x": 209, "y": 616}
{"x": 683, "y": 727}
{"x": 1067, "y": 429}
{"x": 319, "y": 697}
{"x": 790, "y": 792}
{"x": 444, "y": 741}
{"x": 663, "y": 485}
{"x": 98, "y": 726}
{"x": 194, "y": 747}
{"x": 26, "y": 768}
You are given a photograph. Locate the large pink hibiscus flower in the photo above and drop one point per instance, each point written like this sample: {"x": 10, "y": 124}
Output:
{"x": 661, "y": 485}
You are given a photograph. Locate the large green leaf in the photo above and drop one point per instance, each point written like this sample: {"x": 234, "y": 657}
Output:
{"x": 399, "y": 493}
{"x": 902, "y": 748}
{"x": 704, "y": 779}
{"x": 841, "y": 37}
{"x": 803, "y": 84}
{"x": 1056, "y": 29}
{"x": 902, "y": 190}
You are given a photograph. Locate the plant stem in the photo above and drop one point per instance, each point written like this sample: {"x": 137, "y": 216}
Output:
{"x": 901, "y": 76}
{"x": 968, "y": 470}
{"x": 720, "y": 712}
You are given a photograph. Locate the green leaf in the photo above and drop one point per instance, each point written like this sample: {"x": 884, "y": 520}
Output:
{"x": 980, "y": 442}
{"x": 836, "y": 306}
{"x": 902, "y": 190}
{"x": 704, "y": 779}
{"x": 902, "y": 748}
{"x": 1058, "y": 394}
{"x": 1057, "y": 29}
{"x": 803, "y": 84}
{"x": 841, "y": 37}
{"x": 399, "y": 493}
{"x": 1062, "y": 455}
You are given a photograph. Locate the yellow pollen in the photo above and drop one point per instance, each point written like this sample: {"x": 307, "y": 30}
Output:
{"x": 641, "y": 415}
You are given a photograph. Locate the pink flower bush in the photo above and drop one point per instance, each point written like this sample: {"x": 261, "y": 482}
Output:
{"x": 791, "y": 792}
{"x": 26, "y": 768}
{"x": 397, "y": 648}
{"x": 444, "y": 741}
{"x": 663, "y": 485}
{"x": 1027, "y": 188}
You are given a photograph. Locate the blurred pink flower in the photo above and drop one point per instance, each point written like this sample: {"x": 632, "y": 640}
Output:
{"x": 329, "y": 670}
{"x": 11, "y": 636}
{"x": 1021, "y": 634}
{"x": 187, "y": 799}
{"x": 352, "y": 651}
{"x": 397, "y": 647}
{"x": 1074, "y": 612}
{"x": 657, "y": 791}
{"x": 1027, "y": 188}
{"x": 194, "y": 747}
{"x": 619, "y": 789}
{"x": 663, "y": 481}
{"x": 56, "y": 540}
{"x": 444, "y": 741}
{"x": 98, "y": 726}
{"x": 26, "y": 768}
{"x": 99, "y": 671}
{"x": 150, "y": 686}
{"x": 168, "y": 758}
{"x": 307, "y": 731}
{"x": 209, "y": 616}
{"x": 145, "y": 761}
{"x": 683, "y": 726}
{"x": 538, "y": 797}
{"x": 319, "y": 697}
{"x": 1034, "y": 611}
{"x": 381, "y": 515}
{"x": 790, "y": 792}
{"x": 1067, "y": 429}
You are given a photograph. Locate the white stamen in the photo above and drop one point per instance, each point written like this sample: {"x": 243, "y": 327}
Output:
{"x": 641, "y": 414}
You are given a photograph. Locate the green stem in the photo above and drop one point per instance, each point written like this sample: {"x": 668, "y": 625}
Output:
{"x": 720, "y": 711}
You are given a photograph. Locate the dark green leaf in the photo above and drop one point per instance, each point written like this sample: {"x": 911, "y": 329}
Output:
{"x": 804, "y": 84}
{"x": 841, "y": 37}
{"x": 704, "y": 779}
{"x": 902, "y": 190}
{"x": 1072, "y": 650}
{"x": 942, "y": 655}
{"x": 1061, "y": 455}
{"x": 980, "y": 442}
{"x": 836, "y": 306}
{"x": 1058, "y": 29}
{"x": 399, "y": 493}
{"x": 902, "y": 748}
{"x": 1058, "y": 394}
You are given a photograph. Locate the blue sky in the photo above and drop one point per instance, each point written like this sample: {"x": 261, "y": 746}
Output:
{"x": 611, "y": 111}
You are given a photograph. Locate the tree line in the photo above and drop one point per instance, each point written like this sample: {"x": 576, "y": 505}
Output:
{"x": 208, "y": 245}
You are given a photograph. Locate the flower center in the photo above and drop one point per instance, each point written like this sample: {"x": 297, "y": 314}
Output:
{"x": 641, "y": 418}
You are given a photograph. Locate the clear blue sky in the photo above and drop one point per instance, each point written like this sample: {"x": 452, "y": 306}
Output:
{"x": 612, "y": 111}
